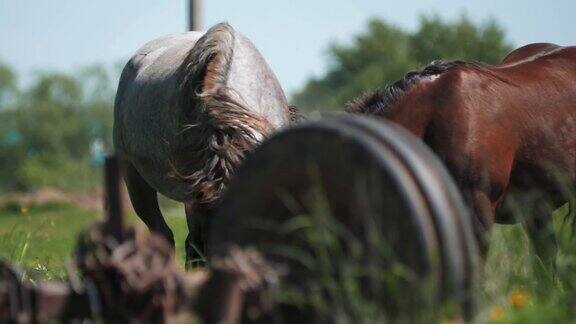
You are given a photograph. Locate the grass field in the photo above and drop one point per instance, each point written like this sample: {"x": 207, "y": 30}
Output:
{"x": 41, "y": 239}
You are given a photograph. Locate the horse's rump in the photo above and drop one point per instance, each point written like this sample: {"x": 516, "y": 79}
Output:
{"x": 226, "y": 111}
{"x": 189, "y": 106}
{"x": 528, "y": 52}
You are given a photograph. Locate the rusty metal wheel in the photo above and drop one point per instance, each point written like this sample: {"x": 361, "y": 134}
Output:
{"x": 354, "y": 205}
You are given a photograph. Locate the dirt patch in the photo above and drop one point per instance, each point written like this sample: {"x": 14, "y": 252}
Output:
{"x": 93, "y": 200}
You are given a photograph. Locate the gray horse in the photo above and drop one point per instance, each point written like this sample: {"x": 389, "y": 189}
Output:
{"x": 188, "y": 109}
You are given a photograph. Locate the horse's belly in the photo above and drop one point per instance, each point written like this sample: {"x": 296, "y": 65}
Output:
{"x": 549, "y": 168}
{"x": 161, "y": 178}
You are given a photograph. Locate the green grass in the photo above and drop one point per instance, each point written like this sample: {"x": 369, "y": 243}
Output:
{"x": 41, "y": 239}
{"x": 509, "y": 274}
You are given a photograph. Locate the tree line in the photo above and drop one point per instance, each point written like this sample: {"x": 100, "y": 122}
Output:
{"x": 383, "y": 53}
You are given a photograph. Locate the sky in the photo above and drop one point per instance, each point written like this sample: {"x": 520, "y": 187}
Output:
{"x": 293, "y": 35}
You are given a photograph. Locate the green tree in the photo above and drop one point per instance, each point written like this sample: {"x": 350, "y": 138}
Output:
{"x": 8, "y": 86}
{"x": 384, "y": 53}
{"x": 46, "y": 135}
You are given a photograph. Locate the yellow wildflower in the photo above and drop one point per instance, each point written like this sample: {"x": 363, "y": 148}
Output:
{"x": 496, "y": 313}
{"x": 518, "y": 298}
{"x": 23, "y": 210}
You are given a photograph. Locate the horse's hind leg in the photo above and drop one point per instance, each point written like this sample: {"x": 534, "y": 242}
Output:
{"x": 197, "y": 218}
{"x": 145, "y": 202}
{"x": 539, "y": 228}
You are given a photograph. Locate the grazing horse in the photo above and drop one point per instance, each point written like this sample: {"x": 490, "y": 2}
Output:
{"x": 187, "y": 110}
{"x": 502, "y": 128}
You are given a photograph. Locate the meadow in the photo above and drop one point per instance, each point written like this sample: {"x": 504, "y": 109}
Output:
{"x": 40, "y": 238}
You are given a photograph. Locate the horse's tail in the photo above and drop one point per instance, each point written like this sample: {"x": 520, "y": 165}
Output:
{"x": 221, "y": 129}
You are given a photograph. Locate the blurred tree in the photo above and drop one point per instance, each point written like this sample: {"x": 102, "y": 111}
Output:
{"x": 8, "y": 86}
{"x": 51, "y": 119}
{"x": 384, "y": 53}
{"x": 458, "y": 40}
{"x": 46, "y": 138}
{"x": 99, "y": 89}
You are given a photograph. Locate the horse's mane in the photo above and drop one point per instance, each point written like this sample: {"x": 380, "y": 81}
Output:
{"x": 376, "y": 102}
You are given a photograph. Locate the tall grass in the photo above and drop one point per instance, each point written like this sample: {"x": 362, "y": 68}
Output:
{"x": 337, "y": 276}
{"x": 515, "y": 290}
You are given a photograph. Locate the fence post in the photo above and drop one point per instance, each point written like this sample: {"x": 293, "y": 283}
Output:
{"x": 194, "y": 15}
{"x": 113, "y": 200}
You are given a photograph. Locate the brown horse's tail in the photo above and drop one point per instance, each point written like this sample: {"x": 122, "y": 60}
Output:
{"x": 220, "y": 130}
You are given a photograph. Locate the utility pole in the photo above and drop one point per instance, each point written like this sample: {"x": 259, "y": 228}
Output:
{"x": 194, "y": 14}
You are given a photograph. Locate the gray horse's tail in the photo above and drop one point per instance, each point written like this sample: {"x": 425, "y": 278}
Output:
{"x": 221, "y": 129}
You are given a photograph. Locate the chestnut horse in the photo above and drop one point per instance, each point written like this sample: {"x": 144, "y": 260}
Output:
{"x": 502, "y": 128}
{"x": 187, "y": 110}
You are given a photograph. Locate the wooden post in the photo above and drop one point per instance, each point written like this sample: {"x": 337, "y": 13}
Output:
{"x": 194, "y": 15}
{"x": 113, "y": 201}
